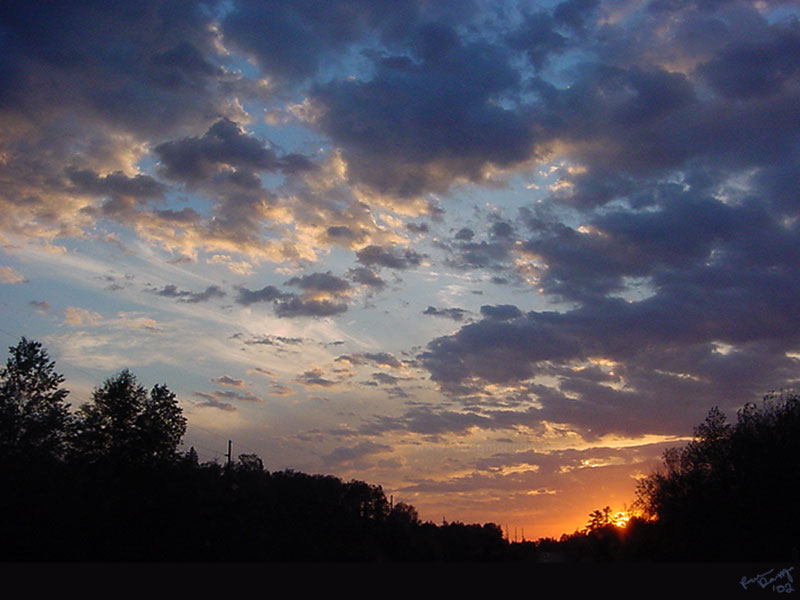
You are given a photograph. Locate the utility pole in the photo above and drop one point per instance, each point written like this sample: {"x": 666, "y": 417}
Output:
{"x": 229, "y": 454}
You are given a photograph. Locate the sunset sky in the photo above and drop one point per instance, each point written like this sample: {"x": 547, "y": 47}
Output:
{"x": 492, "y": 256}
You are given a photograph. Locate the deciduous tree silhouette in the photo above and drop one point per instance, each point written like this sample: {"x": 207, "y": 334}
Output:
{"x": 123, "y": 492}
{"x": 161, "y": 425}
{"x": 404, "y": 514}
{"x": 34, "y": 416}
{"x": 725, "y": 495}
{"x": 123, "y": 423}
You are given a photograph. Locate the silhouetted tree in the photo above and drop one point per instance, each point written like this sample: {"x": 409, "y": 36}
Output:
{"x": 122, "y": 422}
{"x": 724, "y": 496}
{"x": 191, "y": 459}
{"x": 34, "y": 417}
{"x": 121, "y": 491}
{"x": 599, "y": 519}
{"x": 161, "y": 425}
{"x": 250, "y": 463}
{"x": 405, "y": 514}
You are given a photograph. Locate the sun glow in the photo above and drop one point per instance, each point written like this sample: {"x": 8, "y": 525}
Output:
{"x": 621, "y": 520}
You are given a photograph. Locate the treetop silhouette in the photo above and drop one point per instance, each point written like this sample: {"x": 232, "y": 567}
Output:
{"x": 34, "y": 414}
{"x": 125, "y": 423}
{"x": 726, "y": 494}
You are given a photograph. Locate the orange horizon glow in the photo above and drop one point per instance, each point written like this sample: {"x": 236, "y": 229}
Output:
{"x": 621, "y": 520}
{"x": 538, "y": 531}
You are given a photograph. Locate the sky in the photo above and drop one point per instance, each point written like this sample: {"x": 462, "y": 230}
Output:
{"x": 493, "y": 256}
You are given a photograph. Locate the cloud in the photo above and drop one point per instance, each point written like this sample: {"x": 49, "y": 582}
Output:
{"x": 210, "y": 292}
{"x": 299, "y": 307}
{"x": 10, "y": 275}
{"x": 425, "y": 421}
{"x": 465, "y": 234}
{"x": 130, "y": 321}
{"x": 225, "y": 144}
{"x": 665, "y": 349}
{"x": 314, "y": 377}
{"x": 538, "y": 37}
{"x": 446, "y": 131}
{"x": 239, "y": 396}
{"x": 345, "y": 235}
{"x": 260, "y": 371}
{"x": 366, "y": 277}
{"x": 666, "y": 244}
{"x": 384, "y": 359}
{"x": 221, "y": 399}
{"x": 268, "y": 293}
{"x": 386, "y": 379}
{"x": 324, "y": 283}
{"x": 77, "y": 62}
{"x": 116, "y": 185}
{"x": 292, "y": 41}
{"x": 41, "y": 306}
{"x": 757, "y": 67}
{"x": 393, "y": 258}
{"x": 275, "y": 340}
{"x": 172, "y": 291}
{"x": 230, "y": 381}
{"x": 241, "y": 267}
{"x": 502, "y": 230}
{"x": 501, "y": 312}
{"x": 417, "y": 227}
{"x": 494, "y": 254}
{"x": 81, "y": 107}
{"x": 549, "y": 473}
{"x": 322, "y": 295}
{"x": 211, "y": 401}
{"x": 347, "y": 454}
{"x": 456, "y": 314}
{"x": 277, "y": 389}
{"x": 80, "y": 316}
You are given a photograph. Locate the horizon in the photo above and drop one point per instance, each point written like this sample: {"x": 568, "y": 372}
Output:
{"x": 493, "y": 257}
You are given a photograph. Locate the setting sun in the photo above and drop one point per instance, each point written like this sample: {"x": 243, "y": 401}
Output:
{"x": 621, "y": 520}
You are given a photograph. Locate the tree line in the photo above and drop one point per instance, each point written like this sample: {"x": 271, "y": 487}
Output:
{"x": 121, "y": 423}
{"x": 107, "y": 481}
{"x": 729, "y": 495}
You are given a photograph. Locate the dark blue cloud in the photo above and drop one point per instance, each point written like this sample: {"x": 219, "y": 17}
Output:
{"x": 367, "y": 277}
{"x": 146, "y": 65}
{"x": 393, "y": 258}
{"x": 456, "y": 314}
{"x": 268, "y": 293}
{"x": 303, "y": 307}
{"x": 172, "y": 291}
{"x": 195, "y": 159}
{"x": 756, "y": 68}
{"x": 422, "y": 122}
{"x": 501, "y": 312}
{"x": 320, "y": 282}
{"x": 293, "y": 40}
